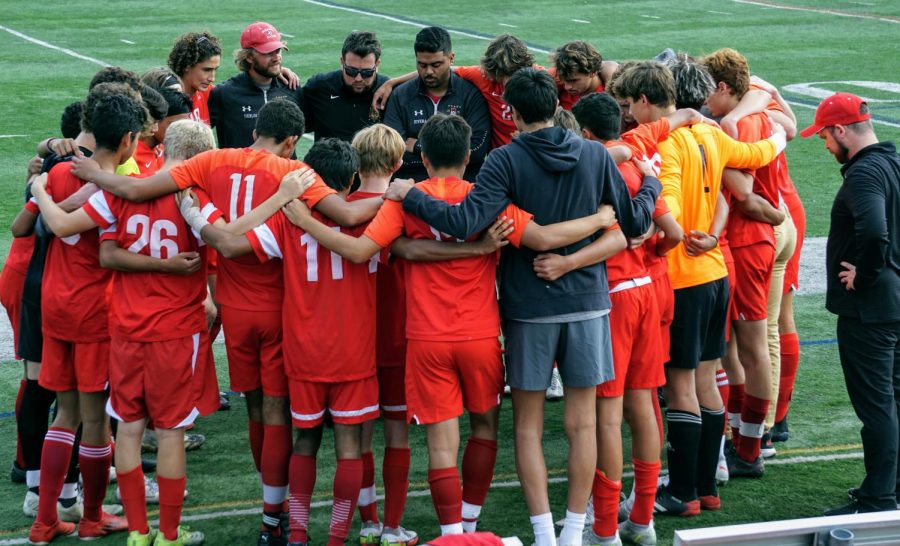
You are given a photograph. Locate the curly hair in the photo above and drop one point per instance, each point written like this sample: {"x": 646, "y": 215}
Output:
{"x": 115, "y": 74}
{"x": 693, "y": 84}
{"x": 574, "y": 57}
{"x": 192, "y": 48}
{"x": 505, "y": 55}
{"x": 611, "y": 87}
{"x": 102, "y": 91}
{"x": 649, "y": 78}
{"x": 728, "y": 66}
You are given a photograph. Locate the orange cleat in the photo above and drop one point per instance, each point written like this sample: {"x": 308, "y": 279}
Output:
{"x": 90, "y": 530}
{"x": 42, "y": 533}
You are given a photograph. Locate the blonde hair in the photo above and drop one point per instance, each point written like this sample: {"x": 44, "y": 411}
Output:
{"x": 379, "y": 147}
{"x": 186, "y": 138}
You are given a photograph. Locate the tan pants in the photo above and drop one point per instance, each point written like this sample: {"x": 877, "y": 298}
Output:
{"x": 785, "y": 243}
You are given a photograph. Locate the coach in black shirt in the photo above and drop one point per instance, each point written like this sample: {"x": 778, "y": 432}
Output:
{"x": 863, "y": 268}
{"x": 338, "y": 104}
{"x": 436, "y": 89}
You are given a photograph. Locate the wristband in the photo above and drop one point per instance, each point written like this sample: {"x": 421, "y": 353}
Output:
{"x": 49, "y": 143}
{"x": 195, "y": 219}
{"x": 716, "y": 237}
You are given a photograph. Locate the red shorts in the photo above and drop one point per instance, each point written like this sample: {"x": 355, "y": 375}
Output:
{"x": 636, "y": 353}
{"x": 163, "y": 381}
{"x": 69, "y": 366}
{"x": 798, "y": 215}
{"x": 392, "y": 392}
{"x": 443, "y": 377}
{"x": 665, "y": 304}
{"x": 12, "y": 283}
{"x": 753, "y": 273}
{"x": 253, "y": 346}
{"x": 349, "y": 403}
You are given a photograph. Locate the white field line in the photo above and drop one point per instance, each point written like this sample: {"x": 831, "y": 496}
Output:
{"x": 820, "y": 11}
{"x": 507, "y": 25}
{"x": 12, "y": 136}
{"x": 719, "y": 12}
{"x": 54, "y": 47}
{"x": 582, "y": 21}
{"x": 286, "y": 35}
{"x": 124, "y": 41}
{"x": 651, "y": 16}
{"x": 813, "y": 107}
{"x": 496, "y": 485}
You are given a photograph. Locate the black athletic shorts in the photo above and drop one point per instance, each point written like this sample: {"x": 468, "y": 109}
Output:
{"x": 698, "y": 327}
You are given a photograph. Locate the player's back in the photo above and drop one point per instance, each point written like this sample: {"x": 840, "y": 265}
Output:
{"x": 628, "y": 263}
{"x": 742, "y": 229}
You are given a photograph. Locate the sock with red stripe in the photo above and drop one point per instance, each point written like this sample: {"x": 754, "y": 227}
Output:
{"x": 752, "y": 418}
{"x": 94, "y": 462}
{"x": 446, "y": 494}
{"x": 395, "y": 473}
{"x": 790, "y": 362}
{"x": 478, "y": 463}
{"x": 171, "y": 499}
{"x": 134, "y": 499}
{"x": 605, "y": 493}
{"x": 256, "y": 433}
{"x": 54, "y": 464}
{"x": 368, "y": 507}
{"x": 734, "y": 407}
{"x": 276, "y": 456}
{"x": 645, "y": 477}
{"x": 722, "y": 385}
{"x": 302, "y": 483}
{"x": 20, "y": 456}
{"x": 347, "y": 479}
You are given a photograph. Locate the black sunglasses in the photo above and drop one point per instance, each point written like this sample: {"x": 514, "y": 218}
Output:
{"x": 353, "y": 72}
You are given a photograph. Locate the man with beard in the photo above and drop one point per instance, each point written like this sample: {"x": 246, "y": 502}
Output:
{"x": 338, "y": 104}
{"x": 437, "y": 89}
{"x": 234, "y": 105}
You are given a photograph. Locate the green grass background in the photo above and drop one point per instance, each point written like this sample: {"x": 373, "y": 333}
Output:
{"x": 784, "y": 47}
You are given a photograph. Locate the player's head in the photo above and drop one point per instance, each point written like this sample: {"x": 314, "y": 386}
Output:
{"x": 360, "y": 59}
{"x": 380, "y": 150}
{"x": 335, "y": 161}
{"x": 156, "y": 105}
{"x": 99, "y": 92}
{"x": 179, "y": 108}
{"x": 70, "y": 121}
{"x": 194, "y": 58}
{"x": 693, "y": 84}
{"x": 577, "y": 64}
{"x": 628, "y": 120}
{"x": 118, "y": 121}
{"x": 186, "y": 138}
{"x": 445, "y": 142}
{"x": 504, "y": 56}
{"x": 532, "y": 95}
{"x": 260, "y": 51}
{"x": 565, "y": 119}
{"x": 282, "y": 121}
{"x": 434, "y": 55}
{"x": 115, "y": 74}
{"x": 645, "y": 86}
{"x": 161, "y": 77}
{"x": 731, "y": 74}
{"x": 599, "y": 116}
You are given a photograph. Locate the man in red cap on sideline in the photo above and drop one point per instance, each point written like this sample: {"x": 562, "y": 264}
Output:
{"x": 235, "y": 104}
{"x": 863, "y": 268}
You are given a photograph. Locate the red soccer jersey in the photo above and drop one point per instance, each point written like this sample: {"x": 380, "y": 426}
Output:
{"x": 452, "y": 300}
{"x": 742, "y": 230}
{"x": 236, "y": 179}
{"x": 74, "y": 297}
{"x": 20, "y": 254}
{"x": 785, "y": 184}
{"x": 149, "y": 160}
{"x": 566, "y": 99}
{"x": 329, "y": 308}
{"x": 629, "y": 263}
{"x": 151, "y": 306}
{"x": 502, "y": 125}
{"x": 200, "y": 100}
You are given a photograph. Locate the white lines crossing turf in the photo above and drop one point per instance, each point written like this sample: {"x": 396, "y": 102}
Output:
{"x": 822, "y": 11}
{"x": 241, "y": 512}
{"x": 48, "y": 45}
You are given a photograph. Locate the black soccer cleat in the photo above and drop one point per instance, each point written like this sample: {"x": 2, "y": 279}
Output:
{"x": 739, "y": 468}
{"x": 780, "y": 431}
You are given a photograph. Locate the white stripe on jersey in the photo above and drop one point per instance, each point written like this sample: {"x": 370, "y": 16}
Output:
{"x": 268, "y": 241}
{"x": 98, "y": 201}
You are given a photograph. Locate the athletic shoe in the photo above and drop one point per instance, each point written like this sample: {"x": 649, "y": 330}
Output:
{"x": 399, "y": 537}
{"x": 589, "y": 538}
{"x": 710, "y": 502}
{"x": 507, "y": 390}
{"x": 555, "y": 390}
{"x": 30, "y": 506}
{"x": 633, "y": 533}
{"x": 766, "y": 449}
{"x": 625, "y": 507}
{"x": 112, "y": 474}
{"x": 137, "y": 539}
{"x": 722, "y": 470}
{"x": 42, "y": 534}
{"x": 370, "y": 533}
{"x": 193, "y": 440}
{"x": 148, "y": 465}
{"x": 739, "y": 468}
{"x": 666, "y": 503}
{"x": 588, "y": 511}
{"x": 16, "y": 473}
{"x": 186, "y": 537}
{"x": 851, "y": 508}
{"x": 224, "y": 402}
{"x": 107, "y": 524}
{"x": 269, "y": 538}
{"x": 780, "y": 431}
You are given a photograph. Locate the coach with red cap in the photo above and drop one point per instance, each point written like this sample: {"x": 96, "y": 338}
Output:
{"x": 234, "y": 105}
{"x": 863, "y": 268}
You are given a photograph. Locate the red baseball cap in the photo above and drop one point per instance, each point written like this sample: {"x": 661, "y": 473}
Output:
{"x": 838, "y": 109}
{"x": 262, "y": 37}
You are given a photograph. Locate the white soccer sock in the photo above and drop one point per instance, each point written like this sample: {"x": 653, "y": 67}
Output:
{"x": 32, "y": 478}
{"x": 544, "y": 534}
{"x": 452, "y": 529}
{"x": 69, "y": 491}
{"x": 367, "y": 496}
{"x": 722, "y": 448}
{"x": 573, "y": 527}
{"x": 470, "y": 513}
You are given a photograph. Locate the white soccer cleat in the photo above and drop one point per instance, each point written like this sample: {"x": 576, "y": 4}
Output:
{"x": 30, "y": 505}
{"x": 631, "y": 533}
{"x": 555, "y": 390}
{"x": 589, "y": 538}
{"x": 626, "y": 506}
{"x": 370, "y": 533}
{"x": 399, "y": 537}
{"x": 722, "y": 470}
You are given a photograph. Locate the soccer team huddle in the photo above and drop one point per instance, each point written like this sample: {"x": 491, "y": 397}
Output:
{"x": 620, "y": 241}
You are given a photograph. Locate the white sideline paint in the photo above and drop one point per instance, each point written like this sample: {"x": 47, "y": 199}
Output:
{"x": 811, "y": 89}
{"x": 124, "y": 41}
{"x": 506, "y": 25}
{"x": 582, "y": 21}
{"x": 820, "y": 11}
{"x": 12, "y": 136}
{"x": 496, "y": 485}
{"x": 651, "y": 16}
{"x": 54, "y": 47}
{"x": 719, "y": 12}
{"x": 286, "y": 35}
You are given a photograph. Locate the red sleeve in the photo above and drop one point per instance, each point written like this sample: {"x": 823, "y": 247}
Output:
{"x": 773, "y": 104}
{"x": 32, "y": 206}
{"x": 646, "y": 136}
{"x": 194, "y": 171}
{"x": 102, "y": 207}
{"x": 661, "y": 208}
{"x": 473, "y": 75}
{"x": 207, "y": 209}
{"x": 387, "y": 224}
{"x": 520, "y": 219}
{"x": 316, "y": 193}
{"x": 267, "y": 240}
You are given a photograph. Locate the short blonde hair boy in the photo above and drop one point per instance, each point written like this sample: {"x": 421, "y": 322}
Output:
{"x": 380, "y": 148}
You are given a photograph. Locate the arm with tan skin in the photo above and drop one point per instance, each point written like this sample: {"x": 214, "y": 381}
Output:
{"x": 126, "y": 187}
{"x": 553, "y": 266}
{"x": 114, "y": 257}
{"x": 428, "y": 250}
{"x": 672, "y": 233}
{"x": 59, "y": 146}
{"x": 740, "y": 184}
{"x": 756, "y": 101}
{"x": 379, "y": 99}
{"x": 544, "y": 238}
{"x": 697, "y": 242}
{"x": 349, "y": 213}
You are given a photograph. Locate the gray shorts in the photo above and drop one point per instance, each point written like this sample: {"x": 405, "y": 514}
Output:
{"x": 582, "y": 351}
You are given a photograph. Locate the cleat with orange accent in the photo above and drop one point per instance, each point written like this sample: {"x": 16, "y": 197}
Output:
{"x": 41, "y": 533}
{"x": 108, "y": 524}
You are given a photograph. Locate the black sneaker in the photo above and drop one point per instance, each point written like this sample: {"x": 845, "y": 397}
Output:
{"x": 665, "y": 503}
{"x": 766, "y": 449}
{"x": 780, "y": 431}
{"x": 16, "y": 473}
{"x": 267, "y": 537}
{"x": 224, "y": 402}
{"x": 850, "y": 508}
{"x": 739, "y": 468}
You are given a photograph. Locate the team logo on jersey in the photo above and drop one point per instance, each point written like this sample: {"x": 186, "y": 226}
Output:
{"x": 418, "y": 112}
{"x": 246, "y": 108}
{"x": 454, "y": 110}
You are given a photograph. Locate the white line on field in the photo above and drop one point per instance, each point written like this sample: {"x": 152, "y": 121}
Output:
{"x": 582, "y": 21}
{"x": 813, "y": 107}
{"x": 506, "y": 25}
{"x": 820, "y": 11}
{"x": 651, "y": 16}
{"x": 124, "y": 41}
{"x": 286, "y": 35}
{"x": 54, "y": 47}
{"x": 12, "y": 136}
{"x": 719, "y": 12}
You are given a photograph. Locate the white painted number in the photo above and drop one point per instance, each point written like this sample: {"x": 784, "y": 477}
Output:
{"x": 236, "y": 191}
{"x": 139, "y": 225}
{"x": 312, "y": 259}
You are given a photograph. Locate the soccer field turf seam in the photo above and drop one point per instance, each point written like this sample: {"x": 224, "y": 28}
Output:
{"x": 822, "y": 11}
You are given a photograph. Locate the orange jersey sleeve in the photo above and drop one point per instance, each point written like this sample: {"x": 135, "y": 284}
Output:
{"x": 520, "y": 219}
{"x": 387, "y": 225}
{"x": 194, "y": 171}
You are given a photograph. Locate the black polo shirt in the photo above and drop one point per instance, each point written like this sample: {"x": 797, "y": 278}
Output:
{"x": 333, "y": 110}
